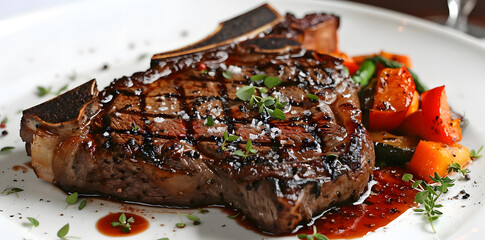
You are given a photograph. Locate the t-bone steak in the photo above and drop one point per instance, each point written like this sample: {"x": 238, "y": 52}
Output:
{"x": 146, "y": 138}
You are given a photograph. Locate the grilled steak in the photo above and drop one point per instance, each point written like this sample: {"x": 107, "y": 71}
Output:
{"x": 146, "y": 138}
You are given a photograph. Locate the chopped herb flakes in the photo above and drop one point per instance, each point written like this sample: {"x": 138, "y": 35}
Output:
{"x": 14, "y": 190}
{"x": 33, "y": 221}
{"x": 193, "y": 218}
{"x": 82, "y": 204}
{"x": 71, "y": 199}
{"x": 312, "y": 96}
{"x": 227, "y": 74}
{"x": 63, "y": 231}
{"x": 6, "y": 149}
{"x": 209, "y": 121}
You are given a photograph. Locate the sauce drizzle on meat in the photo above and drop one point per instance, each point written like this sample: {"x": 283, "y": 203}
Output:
{"x": 390, "y": 197}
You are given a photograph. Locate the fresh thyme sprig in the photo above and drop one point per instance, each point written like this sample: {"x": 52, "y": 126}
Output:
{"x": 271, "y": 105}
{"x": 315, "y": 235}
{"x": 123, "y": 223}
{"x": 476, "y": 154}
{"x": 455, "y": 167}
{"x": 428, "y": 195}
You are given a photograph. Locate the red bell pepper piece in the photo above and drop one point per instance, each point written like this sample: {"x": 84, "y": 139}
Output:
{"x": 437, "y": 123}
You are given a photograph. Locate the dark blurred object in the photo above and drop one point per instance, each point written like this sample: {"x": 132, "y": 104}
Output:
{"x": 434, "y": 10}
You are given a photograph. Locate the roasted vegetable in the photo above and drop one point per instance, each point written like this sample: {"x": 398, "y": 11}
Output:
{"x": 365, "y": 72}
{"x": 393, "y": 150}
{"x": 433, "y": 122}
{"x": 420, "y": 87}
{"x": 393, "y": 98}
{"x": 430, "y": 157}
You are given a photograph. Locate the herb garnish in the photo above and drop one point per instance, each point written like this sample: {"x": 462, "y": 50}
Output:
{"x": 135, "y": 127}
{"x": 142, "y": 56}
{"x": 5, "y": 120}
{"x": 63, "y": 232}
{"x": 203, "y": 210}
{"x": 163, "y": 238}
{"x": 43, "y": 91}
{"x": 315, "y": 235}
{"x": 428, "y": 195}
{"x": 35, "y": 222}
{"x": 71, "y": 199}
{"x": 245, "y": 93}
{"x": 191, "y": 217}
{"x": 455, "y": 167}
{"x": 123, "y": 223}
{"x": 209, "y": 121}
{"x": 234, "y": 216}
{"x": 227, "y": 138}
{"x": 82, "y": 204}
{"x": 271, "y": 105}
{"x": 62, "y": 89}
{"x": 6, "y": 149}
{"x": 249, "y": 150}
{"x": 312, "y": 96}
{"x": 476, "y": 154}
{"x": 269, "y": 81}
{"x": 14, "y": 190}
{"x": 249, "y": 146}
{"x": 227, "y": 74}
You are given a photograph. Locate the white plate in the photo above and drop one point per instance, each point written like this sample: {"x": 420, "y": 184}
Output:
{"x": 47, "y": 47}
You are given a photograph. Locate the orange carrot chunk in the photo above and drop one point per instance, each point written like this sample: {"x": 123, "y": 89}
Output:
{"x": 430, "y": 157}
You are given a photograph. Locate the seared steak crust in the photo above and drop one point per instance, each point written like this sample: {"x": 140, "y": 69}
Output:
{"x": 148, "y": 141}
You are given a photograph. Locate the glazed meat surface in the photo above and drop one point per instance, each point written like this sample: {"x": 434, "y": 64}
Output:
{"x": 145, "y": 138}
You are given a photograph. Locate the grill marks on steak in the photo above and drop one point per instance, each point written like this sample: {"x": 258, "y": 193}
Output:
{"x": 151, "y": 111}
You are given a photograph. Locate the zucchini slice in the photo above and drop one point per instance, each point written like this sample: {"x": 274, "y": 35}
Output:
{"x": 393, "y": 150}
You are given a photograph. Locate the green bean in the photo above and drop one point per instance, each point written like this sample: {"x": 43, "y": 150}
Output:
{"x": 365, "y": 72}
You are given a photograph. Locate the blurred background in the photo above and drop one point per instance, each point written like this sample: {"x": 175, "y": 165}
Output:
{"x": 434, "y": 10}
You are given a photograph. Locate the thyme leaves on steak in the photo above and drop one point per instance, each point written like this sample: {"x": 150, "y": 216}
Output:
{"x": 248, "y": 147}
{"x": 271, "y": 105}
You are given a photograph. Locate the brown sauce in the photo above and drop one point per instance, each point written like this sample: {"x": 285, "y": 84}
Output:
{"x": 20, "y": 168}
{"x": 104, "y": 225}
{"x": 390, "y": 198}
{"x": 29, "y": 164}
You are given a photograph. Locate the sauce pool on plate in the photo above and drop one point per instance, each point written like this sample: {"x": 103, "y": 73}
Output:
{"x": 104, "y": 225}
